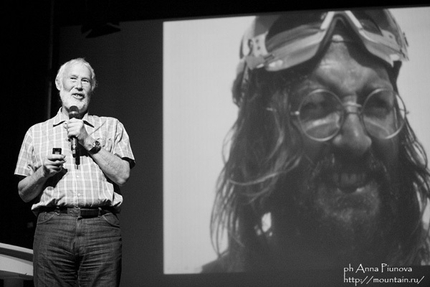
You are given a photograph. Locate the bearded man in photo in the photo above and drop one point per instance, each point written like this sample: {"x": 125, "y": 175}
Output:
{"x": 323, "y": 168}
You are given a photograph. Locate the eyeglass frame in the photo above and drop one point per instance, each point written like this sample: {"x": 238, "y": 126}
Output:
{"x": 358, "y": 111}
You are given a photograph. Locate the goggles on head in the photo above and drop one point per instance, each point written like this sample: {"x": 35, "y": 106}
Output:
{"x": 278, "y": 42}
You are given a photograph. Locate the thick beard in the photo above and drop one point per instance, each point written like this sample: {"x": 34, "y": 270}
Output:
{"x": 341, "y": 225}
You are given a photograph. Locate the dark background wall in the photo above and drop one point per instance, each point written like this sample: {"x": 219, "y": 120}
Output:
{"x": 31, "y": 54}
{"x": 25, "y": 56}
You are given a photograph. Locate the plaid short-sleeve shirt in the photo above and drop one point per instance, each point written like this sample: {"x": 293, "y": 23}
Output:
{"x": 83, "y": 185}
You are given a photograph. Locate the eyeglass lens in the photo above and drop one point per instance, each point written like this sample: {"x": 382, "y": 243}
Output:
{"x": 321, "y": 114}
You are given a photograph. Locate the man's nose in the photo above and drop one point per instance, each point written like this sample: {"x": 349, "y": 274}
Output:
{"x": 352, "y": 140}
{"x": 78, "y": 85}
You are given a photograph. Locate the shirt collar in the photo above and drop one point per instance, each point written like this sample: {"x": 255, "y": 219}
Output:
{"x": 60, "y": 118}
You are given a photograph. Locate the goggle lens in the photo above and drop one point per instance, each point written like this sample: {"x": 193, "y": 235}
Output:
{"x": 279, "y": 42}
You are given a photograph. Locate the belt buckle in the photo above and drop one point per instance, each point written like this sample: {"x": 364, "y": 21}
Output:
{"x": 89, "y": 212}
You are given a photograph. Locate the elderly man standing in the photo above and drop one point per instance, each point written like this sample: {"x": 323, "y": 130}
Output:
{"x": 323, "y": 169}
{"x": 71, "y": 167}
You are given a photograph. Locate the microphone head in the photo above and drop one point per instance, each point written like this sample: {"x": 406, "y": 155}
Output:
{"x": 73, "y": 112}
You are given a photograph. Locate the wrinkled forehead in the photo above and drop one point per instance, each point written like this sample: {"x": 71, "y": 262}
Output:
{"x": 78, "y": 69}
{"x": 343, "y": 68}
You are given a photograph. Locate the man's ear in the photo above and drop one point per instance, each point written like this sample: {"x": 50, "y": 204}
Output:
{"x": 58, "y": 84}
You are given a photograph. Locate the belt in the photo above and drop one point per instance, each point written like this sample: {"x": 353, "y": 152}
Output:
{"x": 78, "y": 211}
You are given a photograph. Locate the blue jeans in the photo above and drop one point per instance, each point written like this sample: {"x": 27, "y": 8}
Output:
{"x": 72, "y": 251}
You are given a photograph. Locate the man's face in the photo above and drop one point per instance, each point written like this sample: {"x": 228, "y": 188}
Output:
{"x": 344, "y": 187}
{"x": 75, "y": 87}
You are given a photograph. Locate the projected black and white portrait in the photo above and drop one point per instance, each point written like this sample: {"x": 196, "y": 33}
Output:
{"x": 296, "y": 141}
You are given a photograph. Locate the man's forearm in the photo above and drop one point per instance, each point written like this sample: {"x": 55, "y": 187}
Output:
{"x": 31, "y": 186}
{"x": 115, "y": 168}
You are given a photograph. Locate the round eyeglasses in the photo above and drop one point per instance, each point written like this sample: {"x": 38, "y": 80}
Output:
{"x": 321, "y": 114}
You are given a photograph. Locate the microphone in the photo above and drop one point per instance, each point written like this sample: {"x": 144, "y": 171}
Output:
{"x": 74, "y": 114}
